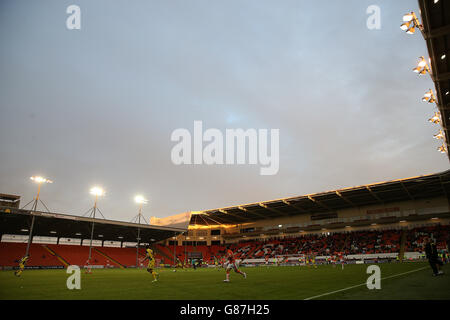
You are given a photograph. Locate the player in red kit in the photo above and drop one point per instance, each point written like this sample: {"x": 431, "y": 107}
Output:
{"x": 342, "y": 259}
{"x": 232, "y": 265}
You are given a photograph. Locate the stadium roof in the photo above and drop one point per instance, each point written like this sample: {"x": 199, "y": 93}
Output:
{"x": 436, "y": 31}
{"x": 327, "y": 203}
{"x": 9, "y": 197}
{"x": 17, "y": 222}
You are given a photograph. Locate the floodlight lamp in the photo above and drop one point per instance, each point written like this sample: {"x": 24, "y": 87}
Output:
{"x": 429, "y": 97}
{"x": 439, "y": 136}
{"x": 408, "y": 17}
{"x": 435, "y": 119}
{"x": 422, "y": 63}
{"x": 410, "y": 23}
{"x": 97, "y": 191}
{"x": 422, "y": 66}
{"x": 411, "y": 30}
{"x": 140, "y": 199}
{"x": 405, "y": 26}
{"x": 442, "y": 149}
{"x": 39, "y": 180}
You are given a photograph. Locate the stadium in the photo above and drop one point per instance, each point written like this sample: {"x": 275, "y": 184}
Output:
{"x": 383, "y": 223}
{"x": 315, "y": 246}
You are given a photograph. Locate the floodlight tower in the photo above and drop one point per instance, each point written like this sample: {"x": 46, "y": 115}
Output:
{"x": 97, "y": 192}
{"x": 175, "y": 242}
{"x": 141, "y": 201}
{"x": 39, "y": 181}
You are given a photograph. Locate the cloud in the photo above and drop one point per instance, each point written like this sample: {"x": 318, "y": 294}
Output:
{"x": 98, "y": 105}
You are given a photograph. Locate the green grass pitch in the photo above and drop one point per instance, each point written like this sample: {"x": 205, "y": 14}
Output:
{"x": 262, "y": 283}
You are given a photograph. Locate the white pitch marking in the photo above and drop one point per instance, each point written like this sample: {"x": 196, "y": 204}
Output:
{"x": 363, "y": 284}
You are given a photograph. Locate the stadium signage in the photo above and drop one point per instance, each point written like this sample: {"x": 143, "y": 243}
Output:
{"x": 43, "y": 267}
{"x": 227, "y": 149}
{"x": 383, "y": 210}
{"x": 66, "y": 217}
{"x": 43, "y": 214}
{"x": 324, "y": 216}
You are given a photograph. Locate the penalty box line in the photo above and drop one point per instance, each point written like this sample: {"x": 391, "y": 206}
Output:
{"x": 363, "y": 284}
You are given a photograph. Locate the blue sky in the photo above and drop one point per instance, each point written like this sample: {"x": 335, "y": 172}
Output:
{"x": 97, "y": 106}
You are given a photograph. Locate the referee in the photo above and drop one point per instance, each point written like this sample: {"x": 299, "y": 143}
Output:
{"x": 432, "y": 256}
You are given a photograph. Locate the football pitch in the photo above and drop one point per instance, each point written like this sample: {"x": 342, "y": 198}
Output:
{"x": 398, "y": 281}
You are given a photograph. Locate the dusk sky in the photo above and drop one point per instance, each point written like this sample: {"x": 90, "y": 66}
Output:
{"x": 97, "y": 106}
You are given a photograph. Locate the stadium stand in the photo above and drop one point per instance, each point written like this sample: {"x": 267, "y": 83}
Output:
{"x": 10, "y": 253}
{"x": 360, "y": 242}
{"x": 78, "y": 255}
{"x": 415, "y": 237}
{"x": 349, "y": 243}
{"x": 369, "y": 242}
{"x": 164, "y": 253}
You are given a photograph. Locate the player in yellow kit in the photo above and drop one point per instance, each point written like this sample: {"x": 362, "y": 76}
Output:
{"x": 151, "y": 263}
{"x": 313, "y": 261}
{"x": 218, "y": 263}
{"x": 179, "y": 263}
{"x": 22, "y": 263}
